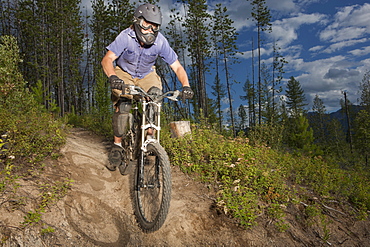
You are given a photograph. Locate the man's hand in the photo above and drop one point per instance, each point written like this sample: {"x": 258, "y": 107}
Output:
{"x": 115, "y": 82}
{"x": 187, "y": 93}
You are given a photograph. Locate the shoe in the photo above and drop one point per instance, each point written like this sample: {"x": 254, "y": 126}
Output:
{"x": 115, "y": 158}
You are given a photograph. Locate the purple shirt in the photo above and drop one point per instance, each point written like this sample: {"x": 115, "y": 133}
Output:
{"x": 136, "y": 60}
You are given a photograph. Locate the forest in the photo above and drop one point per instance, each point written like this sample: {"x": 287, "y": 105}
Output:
{"x": 61, "y": 45}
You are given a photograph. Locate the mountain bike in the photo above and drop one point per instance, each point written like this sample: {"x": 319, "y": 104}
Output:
{"x": 151, "y": 192}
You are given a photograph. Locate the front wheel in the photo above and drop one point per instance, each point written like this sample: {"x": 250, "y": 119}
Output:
{"x": 152, "y": 188}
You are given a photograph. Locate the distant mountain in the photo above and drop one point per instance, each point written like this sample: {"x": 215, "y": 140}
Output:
{"x": 341, "y": 116}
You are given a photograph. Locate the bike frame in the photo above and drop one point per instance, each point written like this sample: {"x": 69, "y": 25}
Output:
{"x": 147, "y": 104}
{"x": 150, "y": 123}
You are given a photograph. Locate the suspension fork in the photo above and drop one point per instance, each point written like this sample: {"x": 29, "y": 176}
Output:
{"x": 151, "y": 119}
{"x": 145, "y": 124}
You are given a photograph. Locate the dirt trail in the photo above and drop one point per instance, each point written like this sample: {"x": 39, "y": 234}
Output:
{"x": 97, "y": 211}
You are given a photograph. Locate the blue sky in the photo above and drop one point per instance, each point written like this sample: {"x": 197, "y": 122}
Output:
{"x": 326, "y": 42}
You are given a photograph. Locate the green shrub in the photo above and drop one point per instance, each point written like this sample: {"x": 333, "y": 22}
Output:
{"x": 33, "y": 133}
{"x": 251, "y": 181}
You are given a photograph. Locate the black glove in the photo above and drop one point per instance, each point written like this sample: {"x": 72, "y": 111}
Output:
{"x": 187, "y": 93}
{"x": 115, "y": 82}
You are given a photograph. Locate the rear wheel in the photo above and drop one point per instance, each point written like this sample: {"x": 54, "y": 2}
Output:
{"x": 152, "y": 188}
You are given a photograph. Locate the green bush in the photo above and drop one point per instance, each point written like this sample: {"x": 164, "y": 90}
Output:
{"x": 33, "y": 133}
{"x": 254, "y": 180}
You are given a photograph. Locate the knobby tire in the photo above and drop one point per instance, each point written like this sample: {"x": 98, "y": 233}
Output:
{"x": 151, "y": 198}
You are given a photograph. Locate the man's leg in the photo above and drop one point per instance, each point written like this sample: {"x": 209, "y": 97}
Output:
{"x": 122, "y": 107}
{"x": 120, "y": 122}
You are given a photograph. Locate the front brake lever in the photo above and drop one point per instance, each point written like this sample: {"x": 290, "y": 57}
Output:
{"x": 174, "y": 96}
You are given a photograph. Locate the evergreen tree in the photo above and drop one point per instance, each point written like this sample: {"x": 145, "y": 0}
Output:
{"x": 362, "y": 121}
{"x": 336, "y": 139}
{"x": 51, "y": 35}
{"x": 302, "y": 135}
{"x": 243, "y": 117}
{"x": 362, "y": 134}
{"x": 265, "y": 95}
{"x": 295, "y": 98}
{"x": 261, "y": 15}
{"x": 197, "y": 28}
{"x": 122, "y": 13}
{"x": 365, "y": 91}
{"x": 297, "y": 131}
{"x": 277, "y": 76}
{"x": 318, "y": 120}
{"x": 224, "y": 37}
{"x": 9, "y": 23}
{"x": 219, "y": 92}
{"x": 101, "y": 26}
{"x": 249, "y": 97}
{"x": 175, "y": 36}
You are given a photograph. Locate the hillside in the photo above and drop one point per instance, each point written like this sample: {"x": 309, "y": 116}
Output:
{"x": 96, "y": 211}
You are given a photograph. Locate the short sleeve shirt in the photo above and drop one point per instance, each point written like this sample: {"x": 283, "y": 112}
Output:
{"x": 137, "y": 60}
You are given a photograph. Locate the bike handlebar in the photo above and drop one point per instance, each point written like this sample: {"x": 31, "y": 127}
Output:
{"x": 128, "y": 89}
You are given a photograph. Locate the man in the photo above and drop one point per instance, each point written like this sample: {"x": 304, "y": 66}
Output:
{"x": 134, "y": 52}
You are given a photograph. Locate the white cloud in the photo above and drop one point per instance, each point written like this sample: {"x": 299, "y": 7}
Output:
{"x": 340, "y": 45}
{"x": 316, "y": 48}
{"x": 350, "y": 22}
{"x": 361, "y": 52}
{"x": 342, "y": 34}
{"x": 248, "y": 54}
{"x": 281, "y": 5}
{"x": 286, "y": 30}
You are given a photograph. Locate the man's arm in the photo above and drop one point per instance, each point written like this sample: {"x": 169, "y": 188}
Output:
{"x": 107, "y": 63}
{"x": 180, "y": 73}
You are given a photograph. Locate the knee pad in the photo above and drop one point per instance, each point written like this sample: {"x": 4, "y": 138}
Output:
{"x": 120, "y": 118}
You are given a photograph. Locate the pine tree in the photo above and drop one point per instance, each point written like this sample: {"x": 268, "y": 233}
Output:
{"x": 249, "y": 97}
{"x": 302, "y": 135}
{"x": 122, "y": 13}
{"x": 295, "y": 98}
{"x": 365, "y": 91}
{"x": 318, "y": 120}
{"x": 297, "y": 131}
{"x": 265, "y": 95}
{"x": 261, "y": 15}
{"x": 224, "y": 37}
{"x": 362, "y": 134}
{"x": 277, "y": 76}
{"x": 197, "y": 28}
{"x": 362, "y": 121}
{"x": 219, "y": 92}
{"x": 50, "y": 34}
{"x": 9, "y": 22}
{"x": 101, "y": 23}
{"x": 175, "y": 36}
{"x": 243, "y": 117}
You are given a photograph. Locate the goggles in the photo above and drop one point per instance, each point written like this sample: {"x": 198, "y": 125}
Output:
{"x": 146, "y": 25}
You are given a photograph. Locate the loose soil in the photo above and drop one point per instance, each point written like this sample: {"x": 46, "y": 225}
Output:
{"x": 97, "y": 211}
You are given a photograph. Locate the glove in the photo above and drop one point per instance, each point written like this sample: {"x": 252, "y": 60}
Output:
{"x": 187, "y": 93}
{"x": 115, "y": 82}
